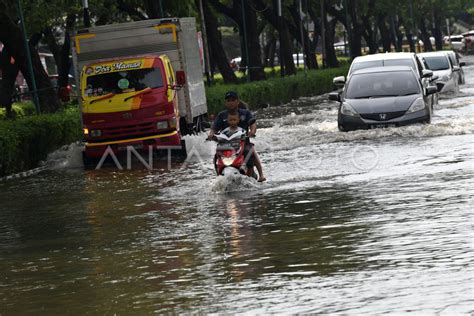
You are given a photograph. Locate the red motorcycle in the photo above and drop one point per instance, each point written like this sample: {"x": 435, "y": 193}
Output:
{"x": 230, "y": 157}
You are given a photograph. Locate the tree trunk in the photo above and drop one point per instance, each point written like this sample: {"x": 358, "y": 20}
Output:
{"x": 7, "y": 84}
{"x": 384, "y": 33}
{"x": 370, "y": 35}
{"x": 269, "y": 50}
{"x": 409, "y": 35}
{"x": 215, "y": 44}
{"x": 331, "y": 59}
{"x": 438, "y": 35}
{"x": 255, "y": 67}
{"x": 425, "y": 37}
{"x": 11, "y": 36}
{"x": 310, "y": 56}
{"x": 356, "y": 34}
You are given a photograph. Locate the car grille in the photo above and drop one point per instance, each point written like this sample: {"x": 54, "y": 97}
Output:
{"x": 377, "y": 116}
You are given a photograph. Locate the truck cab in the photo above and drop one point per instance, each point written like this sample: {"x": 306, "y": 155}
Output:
{"x": 129, "y": 102}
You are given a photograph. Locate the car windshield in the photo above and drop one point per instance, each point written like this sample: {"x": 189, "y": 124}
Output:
{"x": 380, "y": 63}
{"x": 437, "y": 62}
{"x": 123, "y": 81}
{"x": 382, "y": 84}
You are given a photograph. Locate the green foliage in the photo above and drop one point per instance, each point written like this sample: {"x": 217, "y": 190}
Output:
{"x": 19, "y": 110}
{"x": 26, "y": 141}
{"x": 277, "y": 90}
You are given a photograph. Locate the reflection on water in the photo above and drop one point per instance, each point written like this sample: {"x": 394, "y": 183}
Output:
{"x": 367, "y": 222}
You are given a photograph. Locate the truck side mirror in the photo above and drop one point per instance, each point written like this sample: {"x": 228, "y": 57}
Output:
{"x": 180, "y": 77}
{"x": 462, "y": 64}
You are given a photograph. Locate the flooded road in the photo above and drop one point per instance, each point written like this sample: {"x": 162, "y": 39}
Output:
{"x": 365, "y": 222}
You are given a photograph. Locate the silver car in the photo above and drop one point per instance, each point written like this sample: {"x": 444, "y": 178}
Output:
{"x": 447, "y": 73}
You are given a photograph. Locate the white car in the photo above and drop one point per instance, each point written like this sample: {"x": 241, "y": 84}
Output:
{"x": 457, "y": 42}
{"x": 438, "y": 62}
{"x": 454, "y": 59}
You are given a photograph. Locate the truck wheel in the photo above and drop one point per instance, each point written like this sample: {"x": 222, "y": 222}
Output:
{"x": 181, "y": 153}
{"x": 89, "y": 163}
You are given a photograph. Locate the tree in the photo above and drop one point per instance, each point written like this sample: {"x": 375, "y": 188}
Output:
{"x": 12, "y": 38}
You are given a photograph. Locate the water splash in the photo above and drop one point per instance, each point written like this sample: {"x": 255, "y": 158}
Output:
{"x": 234, "y": 183}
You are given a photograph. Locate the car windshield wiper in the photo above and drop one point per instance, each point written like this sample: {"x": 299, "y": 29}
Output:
{"x": 409, "y": 93}
{"x": 103, "y": 97}
{"x": 144, "y": 91}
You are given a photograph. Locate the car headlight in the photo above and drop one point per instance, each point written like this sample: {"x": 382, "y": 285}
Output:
{"x": 227, "y": 161}
{"x": 347, "y": 109}
{"x": 96, "y": 133}
{"x": 445, "y": 78}
{"x": 162, "y": 125}
{"x": 417, "y": 105}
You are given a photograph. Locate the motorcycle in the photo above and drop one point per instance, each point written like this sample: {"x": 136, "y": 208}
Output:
{"x": 230, "y": 157}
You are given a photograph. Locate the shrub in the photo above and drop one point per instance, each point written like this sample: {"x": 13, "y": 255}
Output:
{"x": 277, "y": 90}
{"x": 26, "y": 141}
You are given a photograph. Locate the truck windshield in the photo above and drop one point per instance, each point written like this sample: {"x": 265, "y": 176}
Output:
{"x": 123, "y": 82}
{"x": 380, "y": 84}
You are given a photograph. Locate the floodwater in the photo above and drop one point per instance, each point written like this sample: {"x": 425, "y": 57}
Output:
{"x": 365, "y": 222}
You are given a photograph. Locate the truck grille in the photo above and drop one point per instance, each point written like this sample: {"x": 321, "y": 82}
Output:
{"x": 128, "y": 130}
{"x": 378, "y": 116}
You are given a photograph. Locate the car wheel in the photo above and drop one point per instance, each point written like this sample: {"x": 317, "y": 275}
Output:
{"x": 341, "y": 128}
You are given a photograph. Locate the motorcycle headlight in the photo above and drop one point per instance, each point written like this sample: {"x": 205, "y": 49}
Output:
{"x": 347, "y": 109}
{"x": 227, "y": 161}
{"x": 417, "y": 105}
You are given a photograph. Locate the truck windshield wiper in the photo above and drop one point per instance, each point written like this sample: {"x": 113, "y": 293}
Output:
{"x": 144, "y": 91}
{"x": 103, "y": 97}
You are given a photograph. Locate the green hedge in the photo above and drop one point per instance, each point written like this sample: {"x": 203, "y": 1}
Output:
{"x": 276, "y": 91}
{"x": 26, "y": 141}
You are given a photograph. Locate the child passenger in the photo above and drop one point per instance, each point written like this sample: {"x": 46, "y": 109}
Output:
{"x": 233, "y": 120}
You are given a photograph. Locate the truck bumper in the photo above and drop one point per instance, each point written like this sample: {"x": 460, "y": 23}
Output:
{"x": 162, "y": 141}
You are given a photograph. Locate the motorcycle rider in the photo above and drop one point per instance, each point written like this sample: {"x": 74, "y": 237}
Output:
{"x": 246, "y": 121}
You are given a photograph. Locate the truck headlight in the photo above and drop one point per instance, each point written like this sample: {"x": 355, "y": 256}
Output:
{"x": 172, "y": 122}
{"x": 417, "y": 105}
{"x": 347, "y": 109}
{"x": 162, "y": 125}
{"x": 96, "y": 133}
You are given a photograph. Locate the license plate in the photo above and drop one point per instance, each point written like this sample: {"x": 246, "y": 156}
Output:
{"x": 382, "y": 125}
{"x": 134, "y": 146}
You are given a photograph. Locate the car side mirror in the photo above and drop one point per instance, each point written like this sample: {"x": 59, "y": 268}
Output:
{"x": 339, "y": 81}
{"x": 426, "y": 73}
{"x": 462, "y": 64}
{"x": 335, "y": 96}
{"x": 439, "y": 86}
{"x": 431, "y": 90}
{"x": 180, "y": 77}
{"x": 456, "y": 68}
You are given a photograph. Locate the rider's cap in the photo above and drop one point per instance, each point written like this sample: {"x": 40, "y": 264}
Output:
{"x": 231, "y": 94}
